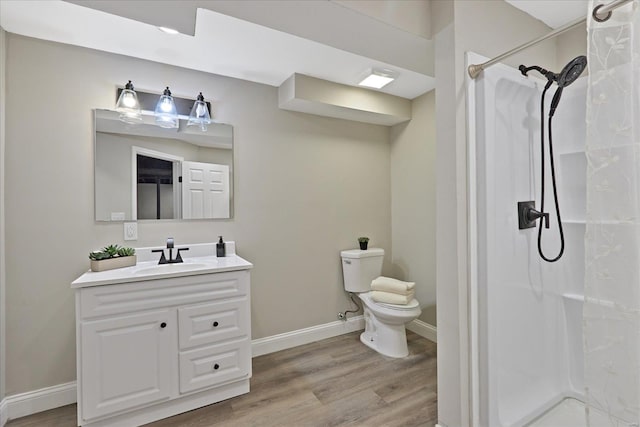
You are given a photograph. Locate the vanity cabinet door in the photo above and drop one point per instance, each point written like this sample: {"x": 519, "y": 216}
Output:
{"x": 126, "y": 361}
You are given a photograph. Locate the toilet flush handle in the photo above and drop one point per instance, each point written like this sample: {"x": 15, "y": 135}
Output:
{"x": 346, "y": 261}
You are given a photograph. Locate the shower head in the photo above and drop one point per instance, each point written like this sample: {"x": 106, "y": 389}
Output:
{"x": 572, "y": 71}
{"x": 568, "y": 75}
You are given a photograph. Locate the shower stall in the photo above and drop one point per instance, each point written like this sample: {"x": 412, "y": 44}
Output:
{"x": 530, "y": 312}
{"x": 557, "y": 344}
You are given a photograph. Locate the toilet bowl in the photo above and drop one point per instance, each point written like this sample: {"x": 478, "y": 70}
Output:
{"x": 384, "y": 323}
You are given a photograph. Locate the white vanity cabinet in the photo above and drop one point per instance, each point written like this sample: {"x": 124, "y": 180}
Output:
{"x": 157, "y": 346}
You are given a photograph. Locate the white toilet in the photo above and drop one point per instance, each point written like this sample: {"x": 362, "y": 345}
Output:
{"x": 384, "y": 323}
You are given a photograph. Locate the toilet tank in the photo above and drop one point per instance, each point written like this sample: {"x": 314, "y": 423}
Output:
{"x": 359, "y": 268}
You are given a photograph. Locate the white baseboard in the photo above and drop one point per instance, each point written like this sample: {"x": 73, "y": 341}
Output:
{"x": 21, "y": 405}
{"x": 31, "y": 402}
{"x": 423, "y": 329}
{"x": 4, "y": 416}
{"x": 291, "y": 339}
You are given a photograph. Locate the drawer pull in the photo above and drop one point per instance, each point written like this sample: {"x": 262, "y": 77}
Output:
{"x": 215, "y": 324}
{"x": 216, "y": 366}
{"x": 163, "y": 325}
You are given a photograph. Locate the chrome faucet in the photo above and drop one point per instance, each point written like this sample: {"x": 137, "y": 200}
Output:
{"x": 171, "y": 260}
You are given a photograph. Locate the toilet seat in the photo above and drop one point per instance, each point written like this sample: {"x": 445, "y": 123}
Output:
{"x": 413, "y": 304}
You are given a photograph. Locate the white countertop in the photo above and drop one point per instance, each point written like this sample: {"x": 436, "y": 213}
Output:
{"x": 150, "y": 270}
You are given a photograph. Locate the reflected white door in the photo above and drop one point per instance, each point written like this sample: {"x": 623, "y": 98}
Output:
{"x": 205, "y": 190}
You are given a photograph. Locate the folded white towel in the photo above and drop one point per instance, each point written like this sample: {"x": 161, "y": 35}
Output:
{"x": 390, "y": 298}
{"x": 387, "y": 284}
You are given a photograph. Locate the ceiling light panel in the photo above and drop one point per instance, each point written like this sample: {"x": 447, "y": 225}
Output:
{"x": 378, "y": 79}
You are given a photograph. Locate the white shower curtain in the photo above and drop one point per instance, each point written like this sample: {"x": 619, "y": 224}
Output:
{"x": 612, "y": 241}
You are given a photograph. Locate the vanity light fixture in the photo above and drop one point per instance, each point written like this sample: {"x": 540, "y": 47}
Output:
{"x": 199, "y": 114}
{"x": 378, "y": 78}
{"x": 166, "y": 113}
{"x": 128, "y": 105}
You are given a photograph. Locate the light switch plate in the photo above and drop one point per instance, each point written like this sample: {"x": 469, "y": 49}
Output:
{"x": 130, "y": 231}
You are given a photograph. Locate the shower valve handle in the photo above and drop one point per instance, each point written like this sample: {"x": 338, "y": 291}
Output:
{"x": 533, "y": 215}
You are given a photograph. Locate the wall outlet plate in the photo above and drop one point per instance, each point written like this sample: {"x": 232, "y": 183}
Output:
{"x": 130, "y": 231}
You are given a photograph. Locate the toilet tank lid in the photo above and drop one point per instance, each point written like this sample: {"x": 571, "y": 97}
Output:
{"x": 358, "y": 253}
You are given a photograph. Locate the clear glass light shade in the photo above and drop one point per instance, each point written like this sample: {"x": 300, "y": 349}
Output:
{"x": 199, "y": 114}
{"x": 166, "y": 113}
{"x": 128, "y": 105}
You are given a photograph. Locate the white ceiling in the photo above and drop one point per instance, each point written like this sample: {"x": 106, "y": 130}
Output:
{"x": 256, "y": 40}
{"x": 229, "y": 46}
{"x": 554, "y": 13}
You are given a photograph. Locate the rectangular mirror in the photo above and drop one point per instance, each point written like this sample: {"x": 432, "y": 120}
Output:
{"x": 145, "y": 172}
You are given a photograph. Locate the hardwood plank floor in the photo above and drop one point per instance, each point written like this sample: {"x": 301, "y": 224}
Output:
{"x": 335, "y": 382}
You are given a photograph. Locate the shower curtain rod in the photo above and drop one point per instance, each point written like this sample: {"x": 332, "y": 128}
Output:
{"x": 600, "y": 13}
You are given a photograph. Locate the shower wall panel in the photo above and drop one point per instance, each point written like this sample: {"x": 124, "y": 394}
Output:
{"x": 529, "y": 311}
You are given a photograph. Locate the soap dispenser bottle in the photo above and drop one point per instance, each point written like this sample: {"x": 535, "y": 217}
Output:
{"x": 220, "y": 248}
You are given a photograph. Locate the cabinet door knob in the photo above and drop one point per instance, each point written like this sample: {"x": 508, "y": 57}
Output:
{"x": 215, "y": 324}
{"x": 216, "y": 366}
{"x": 163, "y": 325}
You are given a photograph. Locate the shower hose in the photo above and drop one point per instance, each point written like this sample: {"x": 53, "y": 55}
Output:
{"x": 553, "y": 180}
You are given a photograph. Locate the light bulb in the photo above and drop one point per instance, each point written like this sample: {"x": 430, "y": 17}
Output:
{"x": 199, "y": 114}
{"x": 128, "y": 100}
{"x": 166, "y": 105}
{"x": 200, "y": 109}
{"x": 166, "y": 114}
{"x": 128, "y": 105}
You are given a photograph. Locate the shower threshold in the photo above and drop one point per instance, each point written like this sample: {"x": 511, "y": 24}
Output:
{"x": 570, "y": 412}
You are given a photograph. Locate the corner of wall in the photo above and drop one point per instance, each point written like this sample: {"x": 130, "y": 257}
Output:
{"x": 3, "y": 58}
{"x": 413, "y": 160}
{"x": 450, "y": 392}
{"x": 571, "y": 44}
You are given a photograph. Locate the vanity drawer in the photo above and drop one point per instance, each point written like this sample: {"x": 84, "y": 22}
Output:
{"x": 214, "y": 365}
{"x": 210, "y": 323}
{"x": 150, "y": 294}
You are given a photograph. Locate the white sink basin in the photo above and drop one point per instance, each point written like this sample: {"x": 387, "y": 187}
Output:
{"x": 170, "y": 268}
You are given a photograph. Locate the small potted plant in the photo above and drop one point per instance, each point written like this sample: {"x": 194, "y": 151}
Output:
{"x": 364, "y": 241}
{"x": 112, "y": 256}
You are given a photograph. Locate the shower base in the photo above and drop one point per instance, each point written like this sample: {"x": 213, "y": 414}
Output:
{"x": 570, "y": 413}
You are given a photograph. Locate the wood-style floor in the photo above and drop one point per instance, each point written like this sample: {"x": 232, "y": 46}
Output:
{"x": 334, "y": 382}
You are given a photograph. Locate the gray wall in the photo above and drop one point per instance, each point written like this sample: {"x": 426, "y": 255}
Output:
{"x": 3, "y": 358}
{"x": 305, "y": 188}
{"x": 413, "y": 211}
{"x": 571, "y": 44}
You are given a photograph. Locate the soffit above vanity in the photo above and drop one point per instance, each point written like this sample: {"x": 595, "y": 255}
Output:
{"x": 229, "y": 46}
{"x": 316, "y": 96}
